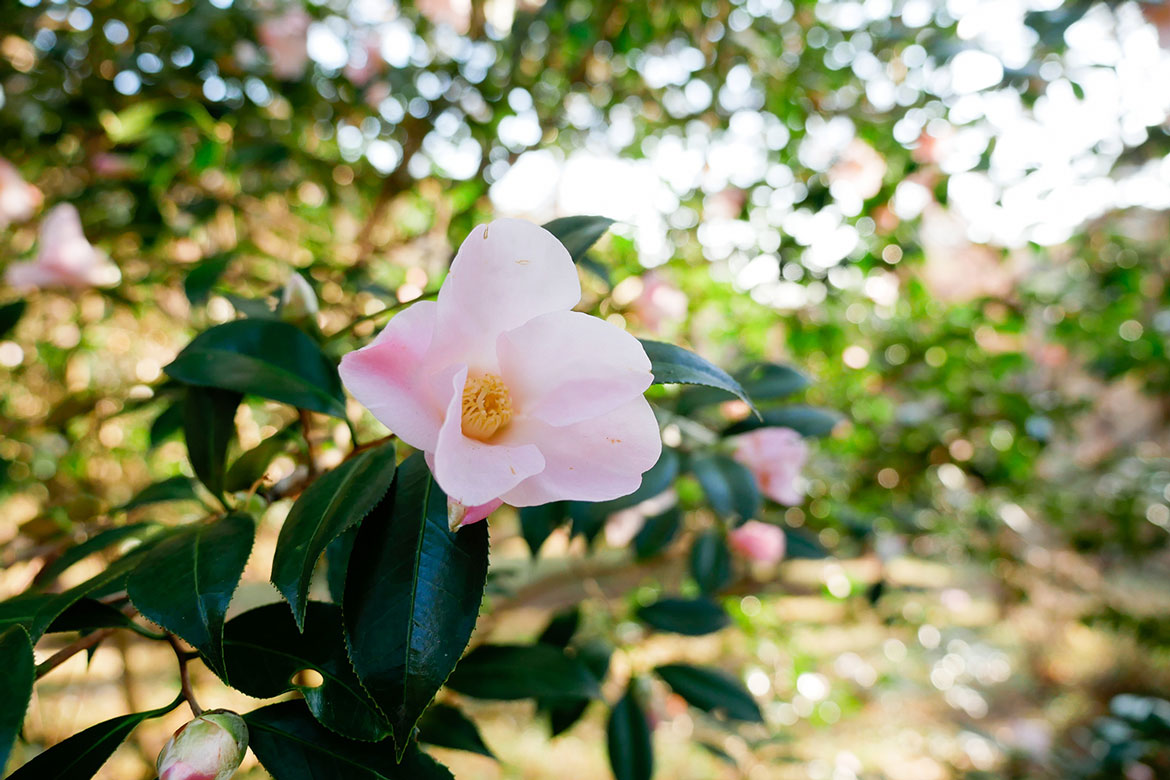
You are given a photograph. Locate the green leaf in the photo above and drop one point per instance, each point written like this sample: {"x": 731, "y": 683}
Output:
{"x": 110, "y": 580}
{"x": 657, "y": 532}
{"x": 562, "y": 713}
{"x": 589, "y": 517}
{"x": 337, "y": 555}
{"x": 761, "y": 381}
{"x": 673, "y": 365}
{"x": 729, "y": 486}
{"x": 178, "y": 488}
{"x": 17, "y": 673}
{"x": 186, "y": 583}
{"x": 293, "y": 746}
{"x": 628, "y": 736}
{"x": 711, "y": 690}
{"x": 249, "y": 468}
{"x": 264, "y": 651}
{"x": 167, "y": 424}
{"x": 445, "y": 726}
{"x": 507, "y": 672}
{"x": 560, "y": 630}
{"x": 209, "y": 422}
{"x": 710, "y": 561}
{"x": 81, "y": 756}
{"x": 89, "y": 615}
{"x": 199, "y": 281}
{"x": 538, "y": 522}
{"x": 10, "y": 314}
{"x": 692, "y": 617}
{"x": 412, "y": 596}
{"x": 96, "y": 543}
{"x": 798, "y": 544}
{"x": 578, "y": 234}
{"x": 335, "y": 502}
{"x": 805, "y": 420}
{"x": 268, "y": 358}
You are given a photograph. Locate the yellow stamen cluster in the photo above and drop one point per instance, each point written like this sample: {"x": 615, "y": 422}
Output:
{"x": 487, "y": 406}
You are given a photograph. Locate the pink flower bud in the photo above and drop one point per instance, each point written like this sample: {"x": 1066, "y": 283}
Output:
{"x": 758, "y": 541}
{"x": 210, "y": 747}
{"x": 775, "y": 457}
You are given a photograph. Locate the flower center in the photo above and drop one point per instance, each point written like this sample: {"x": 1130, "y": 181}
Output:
{"x": 487, "y": 406}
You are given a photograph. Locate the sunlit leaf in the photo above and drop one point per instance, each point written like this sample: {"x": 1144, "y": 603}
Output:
{"x": 693, "y": 617}
{"x": 673, "y": 365}
{"x": 711, "y": 690}
{"x": 631, "y": 752}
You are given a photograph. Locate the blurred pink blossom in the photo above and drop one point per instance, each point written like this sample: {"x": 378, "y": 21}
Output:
{"x": 858, "y": 172}
{"x": 285, "y": 40}
{"x": 758, "y": 542}
{"x": 512, "y": 395}
{"x": 65, "y": 258}
{"x": 365, "y": 62}
{"x": 112, "y": 166}
{"x": 660, "y": 303}
{"x": 455, "y": 13}
{"x": 19, "y": 200}
{"x": 775, "y": 457}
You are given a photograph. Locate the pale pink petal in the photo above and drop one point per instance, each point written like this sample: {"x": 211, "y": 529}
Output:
{"x": 758, "y": 541}
{"x": 477, "y": 513}
{"x": 593, "y": 460}
{"x": 505, "y": 273}
{"x": 472, "y": 472}
{"x": 386, "y": 377}
{"x": 565, "y": 367}
{"x": 30, "y": 275}
{"x": 775, "y": 456}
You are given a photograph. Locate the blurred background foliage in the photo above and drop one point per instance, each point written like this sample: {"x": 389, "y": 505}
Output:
{"x": 951, "y": 215}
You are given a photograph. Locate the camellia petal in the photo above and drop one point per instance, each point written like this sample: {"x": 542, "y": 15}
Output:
{"x": 385, "y": 377}
{"x": 594, "y": 460}
{"x": 505, "y": 273}
{"x": 565, "y": 367}
{"x": 474, "y": 472}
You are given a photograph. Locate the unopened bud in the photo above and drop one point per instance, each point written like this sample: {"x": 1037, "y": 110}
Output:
{"x": 210, "y": 747}
{"x": 298, "y": 301}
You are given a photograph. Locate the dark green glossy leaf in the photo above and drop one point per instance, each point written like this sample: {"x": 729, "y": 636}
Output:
{"x": 209, "y": 422}
{"x": 711, "y": 690}
{"x": 186, "y": 582}
{"x": 578, "y": 234}
{"x": 178, "y": 488}
{"x": 631, "y": 751}
{"x": 729, "y": 486}
{"x": 693, "y": 617}
{"x": 560, "y": 630}
{"x": 81, "y": 756}
{"x": 538, "y": 522}
{"x": 657, "y": 532}
{"x": 199, "y": 281}
{"x": 264, "y": 650}
{"x": 89, "y": 615}
{"x": 710, "y": 561}
{"x": 589, "y": 517}
{"x": 167, "y": 424}
{"x": 17, "y": 673}
{"x": 10, "y": 314}
{"x": 267, "y": 358}
{"x": 249, "y": 468}
{"x": 762, "y": 382}
{"x": 446, "y": 726}
{"x": 293, "y": 746}
{"x": 673, "y": 365}
{"x": 805, "y": 420}
{"x": 96, "y": 543}
{"x": 595, "y": 267}
{"x": 111, "y": 580}
{"x": 798, "y": 544}
{"x": 562, "y": 714}
{"x": 412, "y": 596}
{"x": 335, "y": 502}
{"x": 507, "y": 672}
{"x": 337, "y": 555}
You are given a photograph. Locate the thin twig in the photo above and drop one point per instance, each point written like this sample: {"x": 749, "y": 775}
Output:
{"x": 184, "y": 676}
{"x": 67, "y": 652}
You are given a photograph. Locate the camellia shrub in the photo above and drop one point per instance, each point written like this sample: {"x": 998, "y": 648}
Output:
{"x": 496, "y": 392}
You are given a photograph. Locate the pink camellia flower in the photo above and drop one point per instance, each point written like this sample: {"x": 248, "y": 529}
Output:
{"x": 210, "y": 747}
{"x": 456, "y": 13}
{"x": 775, "y": 457}
{"x": 660, "y": 304}
{"x": 512, "y": 396}
{"x": 19, "y": 200}
{"x": 65, "y": 257}
{"x": 364, "y": 62}
{"x": 285, "y": 39}
{"x": 758, "y": 542}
